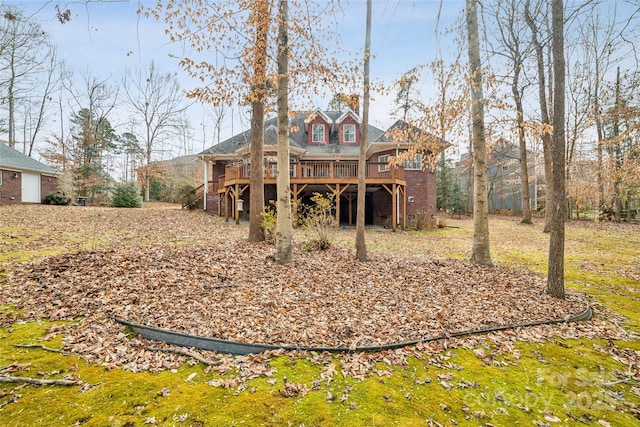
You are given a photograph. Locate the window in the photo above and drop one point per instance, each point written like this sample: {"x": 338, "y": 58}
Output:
{"x": 349, "y": 133}
{"x": 414, "y": 163}
{"x": 383, "y": 159}
{"x": 318, "y": 133}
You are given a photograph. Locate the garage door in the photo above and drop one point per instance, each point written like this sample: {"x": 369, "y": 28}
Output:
{"x": 30, "y": 188}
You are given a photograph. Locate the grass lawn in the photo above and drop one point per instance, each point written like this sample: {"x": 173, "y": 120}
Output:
{"x": 582, "y": 376}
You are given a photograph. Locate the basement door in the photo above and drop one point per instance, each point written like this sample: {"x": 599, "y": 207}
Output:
{"x": 30, "y": 188}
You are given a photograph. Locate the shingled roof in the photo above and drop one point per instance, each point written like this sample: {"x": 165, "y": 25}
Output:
{"x": 297, "y": 137}
{"x": 15, "y": 160}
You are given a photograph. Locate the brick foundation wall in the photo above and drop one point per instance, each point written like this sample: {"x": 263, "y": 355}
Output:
{"x": 421, "y": 186}
{"x": 11, "y": 188}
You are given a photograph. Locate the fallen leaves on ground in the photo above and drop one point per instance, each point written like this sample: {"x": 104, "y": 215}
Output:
{"x": 234, "y": 292}
{"x": 230, "y": 289}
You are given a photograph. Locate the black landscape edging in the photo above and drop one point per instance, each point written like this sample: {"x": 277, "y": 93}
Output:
{"x": 235, "y": 347}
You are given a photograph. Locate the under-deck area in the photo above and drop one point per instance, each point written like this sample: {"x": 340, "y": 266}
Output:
{"x": 306, "y": 178}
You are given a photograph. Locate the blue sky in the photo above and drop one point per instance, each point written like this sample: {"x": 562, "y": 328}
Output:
{"x": 103, "y": 38}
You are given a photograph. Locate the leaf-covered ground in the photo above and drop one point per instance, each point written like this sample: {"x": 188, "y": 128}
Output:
{"x": 194, "y": 273}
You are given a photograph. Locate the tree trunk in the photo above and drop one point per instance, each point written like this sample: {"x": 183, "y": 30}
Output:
{"x": 480, "y": 250}
{"x": 256, "y": 181}
{"x": 284, "y": 226}
{"x": 147, "y": 176}
{"x": 617, "y": 178}
{"x": 524, "y": 167}
{"x": 555, "y": 275}
{"x": 361, "y": 246}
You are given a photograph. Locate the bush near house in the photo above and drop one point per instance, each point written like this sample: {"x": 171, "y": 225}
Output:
{"x": 56, "y": 198}
{"x": 126, "y": 196}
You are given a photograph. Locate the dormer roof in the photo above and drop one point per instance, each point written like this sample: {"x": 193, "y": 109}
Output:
{"x": 349, "y": 113}
{"x": 317, "y": 112}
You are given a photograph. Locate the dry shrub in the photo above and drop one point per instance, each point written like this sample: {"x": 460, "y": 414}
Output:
{"x": 424, "y": 221}
{"x": 441, "y": 221}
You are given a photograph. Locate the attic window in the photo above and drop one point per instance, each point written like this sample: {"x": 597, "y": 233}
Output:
{"x": 349, "y": 133}
{"x": 318, "y": 133}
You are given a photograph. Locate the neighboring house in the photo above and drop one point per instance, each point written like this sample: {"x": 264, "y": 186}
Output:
{"x": 23, "y": 179}
{"x": 504, "y": 187}
{"x": 324, "y": 148}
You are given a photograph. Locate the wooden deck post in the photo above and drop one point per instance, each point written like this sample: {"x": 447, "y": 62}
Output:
{"x": 337, "y": 195}
{"x": 394, "y": 206}
{"x": 236, "y": 212}
{"x": 403, "y": 192}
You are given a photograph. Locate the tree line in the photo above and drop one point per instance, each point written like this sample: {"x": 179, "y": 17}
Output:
{"x": 74, "y": 115}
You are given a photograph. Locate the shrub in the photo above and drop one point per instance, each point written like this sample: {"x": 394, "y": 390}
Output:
{"x": 126, "y": 196}
{"x": 441, "y": 221}
{"x": 268, "y": 222}
{"x": 319, "y": 219}
{"x": 424, "y": 221}
{"x": 187, "y": 194}
{"x": 56, "y": 199}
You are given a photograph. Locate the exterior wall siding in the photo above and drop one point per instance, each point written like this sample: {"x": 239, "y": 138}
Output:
{"x": 11, "y": 188}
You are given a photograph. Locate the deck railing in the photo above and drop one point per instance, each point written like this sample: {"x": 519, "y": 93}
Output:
{"x": 316, "y": 170}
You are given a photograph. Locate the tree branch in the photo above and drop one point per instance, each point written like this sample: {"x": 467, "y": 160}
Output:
{"x": 10, "y": 379}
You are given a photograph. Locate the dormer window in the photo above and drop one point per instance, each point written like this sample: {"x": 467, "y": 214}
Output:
{"x": 349, "y": 134}
{"x": 318, "y": 133}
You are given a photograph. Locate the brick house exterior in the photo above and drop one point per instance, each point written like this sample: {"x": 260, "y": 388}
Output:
{"x": 324, "y": 148}
{"x": 23, "y": 179}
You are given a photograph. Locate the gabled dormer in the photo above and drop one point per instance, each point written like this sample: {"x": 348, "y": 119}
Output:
{"x": 348, "y": 128}
{"x": 318, "y": 126}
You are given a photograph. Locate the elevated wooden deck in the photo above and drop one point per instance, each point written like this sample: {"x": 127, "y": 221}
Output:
{"x": 316, "y": 173}
{"x": 339, "y": 177}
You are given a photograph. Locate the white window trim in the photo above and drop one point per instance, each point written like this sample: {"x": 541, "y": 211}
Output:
{"x": 313, "y": 133}
{"x": 413, "y": 164}
{"x": 344, "y": 133}
{"x": 383, "y": 159}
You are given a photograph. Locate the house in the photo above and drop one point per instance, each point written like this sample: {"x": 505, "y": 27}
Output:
{"x": 23, "y": 179}
{"x": 504, "y": 185}
{"x": 169, "y": 176}
{"x": 324, "y": 150}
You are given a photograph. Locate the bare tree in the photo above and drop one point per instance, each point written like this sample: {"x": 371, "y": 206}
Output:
{"x": 532, "y": 17}
{"x": 480, "y": 250}
{"x": 157, "y": 102}
{"x": 361, "y": 245}
{"x": 512, "y": 46}
{"x": 24, "y": 51}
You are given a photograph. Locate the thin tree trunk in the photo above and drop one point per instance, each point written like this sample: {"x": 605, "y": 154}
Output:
{"x": 555, "y": 275}
{"x": 284, "y": 226}
{"x": 544, "y": 119}
{"x": 480, "y": 250}
{"x": 256, "y": 181}
{"x": 524, "y": 167}
{"x": 361, "y": 246}
{"x": 617, "y": 179}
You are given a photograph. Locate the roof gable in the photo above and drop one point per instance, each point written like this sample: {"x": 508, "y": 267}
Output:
{"x": 349, "y": 113}
{"x": 12, "y": 159}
